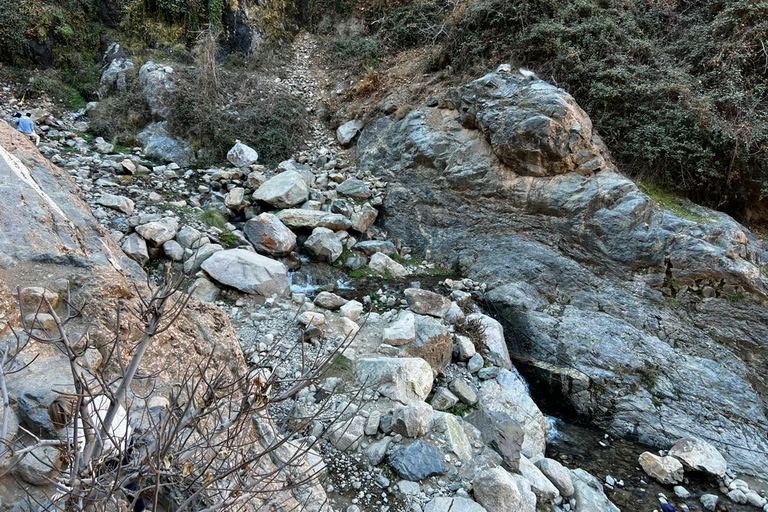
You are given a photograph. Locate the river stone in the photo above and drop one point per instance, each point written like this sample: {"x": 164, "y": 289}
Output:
{"x": 499, "y": 491}
{"x": 433, "y": 343}
{"x": 417, "y": 461}
{"x": 269, "y": 236}
{"x": 501, "y": 433}
{"x": 589, "y": 494}
{"x": 402, "y": 331}
{"x": 540, "y": 484}
{"x": 285, "y": 190}
{"x": 248, "y": 272}
{"x": 424, "y": 302}
{"x": 709, "y": 501}
{"x": 242, "y": 155}
{"x": 557, "y": 474}
{"x": 666, "y": 470}
{"x": 39, "y": 466}
{"x": 444, "y": 504}
{"x": 354, "y": 187}
{"x": 413, "y": 420}
{"x": 346, "y": 435}
{"x": 136, "y": 247}
{"x": 188, "y": 236}
{"x": 370, "y": 247}
{"x": 493, "y": 339}
{"x": 195, "y": 261}
{"x": 405, "y": 380}
{"x": 159, "y": 232}
{"x": 119, "y": 203}
{"x": 323, "y": 245}
{"x": 347, "y": 132}
{"x": 352, "y": 310}
{"x": 465, "y": 391}
{"x": 331, "y": 301}
{"x": 385, "y": 265}
{"x": 699, "y": 456}
{"x": 310, "y": 219}
{"x": 737, "y": 496}
{"x": 754, "y": 499}
{"x": 507, "y": 393}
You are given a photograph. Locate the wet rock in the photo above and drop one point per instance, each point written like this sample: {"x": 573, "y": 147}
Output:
{"x": 699, "y": 456}
{"x": 498, "y": 491}
{"x": 242, "y": 155}
{"x": 557, "y": 474}
{"x": 404, "y": 380}
{"x": 501, "y": 433}
{"x": 297, "y": 219}
{"x": 270, "y": 236}
{"x": 285, "y": 190}
{"x": 248, "y": 272}
{"x": 347, "y": 132}
{"x": 666, "y": 470}
{"x": 589, "y": 494}
{"x": 709, "y": 501}
{"x": 507, "y": 393}
{"x": 417, "y": 461}
{"x": 424, "y": 302}
{"x": 323, "y": 245}
{"x": 119, "y": 203}
{"x": 385, "y": 265}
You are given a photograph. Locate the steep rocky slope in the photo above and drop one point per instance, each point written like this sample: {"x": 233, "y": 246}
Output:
{"x": 649, "y": 324}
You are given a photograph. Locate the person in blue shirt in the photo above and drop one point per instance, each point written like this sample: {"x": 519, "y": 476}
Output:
{"x": 27, "y": 127}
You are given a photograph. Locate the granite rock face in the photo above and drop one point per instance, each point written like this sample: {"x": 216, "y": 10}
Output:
{"x": 605, "y": 289}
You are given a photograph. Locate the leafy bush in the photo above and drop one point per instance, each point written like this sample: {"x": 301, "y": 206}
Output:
{"x": 356, "y": 52}
{"x": 674, "y": 88}
{"x": 121, "y": 117}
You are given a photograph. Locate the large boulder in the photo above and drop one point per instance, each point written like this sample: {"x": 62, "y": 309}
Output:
{"x": 404, "y": 380}
{"x": 115, "y": 75}
{"x": 493, "y": 341}
{"x": 666, "y": 470}
{"x": 242, "y": 155}
{"x": 417, "y": 461}
{"x": 160, "y": 231}
{"x": 347, "y": 132}
{"x": 502, "y": 434}
{"x": 310, "y": 219}
{"x": 158, "y": 86}
{"x": 323, "y": 245}
{"x": 499, "y": 491}
{"x": 248, "y": 272}
{"x": 589, "y": 494}
{"x": 603, "y": 287}
{"x": 508, "y": 394}
{"x": 425, "y": 302}
{"x": 699, "y": 455}
{"x": 557, "y": 474}
{"x": 160, "y": 145}
{"x": 269, "y": 236}
{"x": 285, "y": 190}
{"x": 119, "y": 203}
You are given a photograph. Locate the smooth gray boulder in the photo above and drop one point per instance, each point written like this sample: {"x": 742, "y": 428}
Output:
{"x": 602, "y": 284}
{"x": 666, "y": 470}
{"x": 158, "y": 87}
{"x": 242, "y": 155}
{"x": 331, "y": 301}
{"x": 160, "y": 231}
{"x": 249, "y": 272}
{"x": 401, "y": 331}
{"x": 285, "y": 190}
{"x": 269, "y": 236}
{"x": 385, "y": 265}
{"x": 370, "y": 247}
{"x": 540, "y": 484}
{"x": 160, "y": 145}
{"x": 173, "y": 250}
{"x": 557, "y": 474}
{"x": 354, "y": 187}
{"x": 425, "y": 302}
{"x": 194, "y": 262}
{"x": 136, "y": 248}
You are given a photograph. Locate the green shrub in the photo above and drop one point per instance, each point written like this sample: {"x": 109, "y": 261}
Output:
{"x": 355, "y": 52}
{"x": 121, "y": 117}
{"x": 213, "y": 218}
{"x": 675, "y": 89}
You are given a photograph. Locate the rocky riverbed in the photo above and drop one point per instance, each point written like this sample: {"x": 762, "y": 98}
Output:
{"x": 594, "y": 290}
